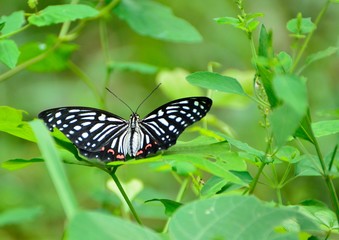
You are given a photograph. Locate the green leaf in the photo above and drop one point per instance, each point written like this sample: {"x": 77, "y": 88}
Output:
{"x": 96, "y": 225}
{"x": 325, "y": 128}
{"x": 19, "y": 215}
{"x": 320, "y": 55}
{"x": 286, "y": 118}
{"x": 62, "y": 13}
{"x": 9, "y": 53}
{"x": 183, "y": 168}
{"x": 55, "y": 167}
{"x": 14, "y": 164}
{"x": 236, "y": 218}
{"x": 288, "y": 154}
{"x": 265, "y": 43}
{"x": 213, "y": 186}
{"x": 300, "y": 25}
{"x": 321, "y": 214}
{"x": 308, "y": 166}
{"x": 56, "y": 60}
{"x": 228, "y": 20}
{"x": 133, "y": 66}
{"x": 285, "y": 62}
{"x": 170, "y": 205}
{"x": 11, "y": 123}
{"x": 153, "y": 19}
{"x": 12, "y": 23}
{"x": 216, "y": 81}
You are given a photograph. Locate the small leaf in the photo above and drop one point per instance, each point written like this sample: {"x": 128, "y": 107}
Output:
{"x": 213, "y": 186}
{"x": 321, "y": 54}
{"x": 301, "y": 25}
{"x": 325, "y": 128}
{"x": 153, "y": 19}
{"x": 62, "y": 13}
{"x": 228, "y": 20}
{"x": 97, "y": 225}
{"x": 288, "y": 154}
{"x": 170, "y": 205}
{"x": 285, "y": 62}
{"x": 183, "y": 168}
{"x": 216, "y": 81}
{"x": 133, "y": 66}
{"x": 9, "y": 53}
{"x": 12, "y": 22}
{"x": 19, "y": 215}
{"x": 14, "y": 164}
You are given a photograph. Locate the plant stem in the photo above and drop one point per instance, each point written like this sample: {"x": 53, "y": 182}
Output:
{"x": 256, "y": 178}
{"x": 123, "y": 193}
{"x": 328, "y": 180}
{"x": 309, "y": 36}
{"x": 179, "y": 197}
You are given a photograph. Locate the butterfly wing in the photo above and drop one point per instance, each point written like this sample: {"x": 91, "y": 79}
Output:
{"x": 162, "y": 127}
{"x": 96, "y": 133}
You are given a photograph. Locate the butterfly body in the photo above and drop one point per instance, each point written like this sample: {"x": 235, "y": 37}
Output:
{"x": 108, "y": 137}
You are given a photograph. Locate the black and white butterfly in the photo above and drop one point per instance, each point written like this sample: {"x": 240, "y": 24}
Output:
{"x": 108, "y": 137}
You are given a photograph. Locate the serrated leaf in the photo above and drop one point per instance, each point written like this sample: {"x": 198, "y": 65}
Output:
{"x": 12, "y": 22}
{"x": 134, "y": 67}
{"x": 14, "y": 164}
{"x": 325, "y": 128}
{"x": 9, "y": 53}
{"x": 153, "y": 19}
{"x": 215, "y": 81}
{"x": 96, "y": 225}
{"x": 62, "y": 13}
{"x": 170, "y": 205}
{"x": 218, "y": 217}
{"x": 19, "y": 215}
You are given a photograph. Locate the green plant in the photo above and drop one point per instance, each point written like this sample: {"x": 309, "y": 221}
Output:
{"x": 222, "y": 172}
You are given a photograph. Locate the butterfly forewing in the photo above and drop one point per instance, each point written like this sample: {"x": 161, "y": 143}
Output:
{"x": 166, "y": 123}
{"x": 89, "y": 129}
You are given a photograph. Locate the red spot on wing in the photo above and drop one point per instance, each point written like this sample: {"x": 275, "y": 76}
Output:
{"x": 120, "y": 156}
{"x": 139, "y": 152}
{"x": 148, "y": 146}
{"x": 110, "y": 151}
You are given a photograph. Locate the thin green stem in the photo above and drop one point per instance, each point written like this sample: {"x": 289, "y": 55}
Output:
{"x": 66, "y": 25}
{"x": 14, "y": 32}
{"x": 28, "y": 63}
{"x": 309, "y": 36}
{"x": 328, "y": 180}
{"x": 123, "y": 193}
{"x": 256, "y": 178}
{"x": 179, "y": 198}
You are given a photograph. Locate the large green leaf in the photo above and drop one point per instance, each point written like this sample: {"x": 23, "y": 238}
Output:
{"x": 9, "y": 53}
{"x": 62, "y": 13}
{"x": 216, "y": 81}
{"x": 96, "y": 225}
{"x": 237, "y": 218}
{"x": 12, "y": 22}
{"x": 325, "y": 128}
{"x": 153, "y": 19}
{"x": 286, "y": 118}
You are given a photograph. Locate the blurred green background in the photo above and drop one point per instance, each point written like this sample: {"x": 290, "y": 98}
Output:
{"x": 34, "y": 92}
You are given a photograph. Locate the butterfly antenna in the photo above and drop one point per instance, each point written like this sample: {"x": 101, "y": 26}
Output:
{"x": 119, "y": 99}
{"x": 148, "y": 96}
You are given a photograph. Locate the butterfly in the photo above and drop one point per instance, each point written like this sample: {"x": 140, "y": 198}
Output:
{"x": 103, "y": 135}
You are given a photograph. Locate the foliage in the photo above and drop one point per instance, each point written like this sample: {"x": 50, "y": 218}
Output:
{"x": 219, "y": 173}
